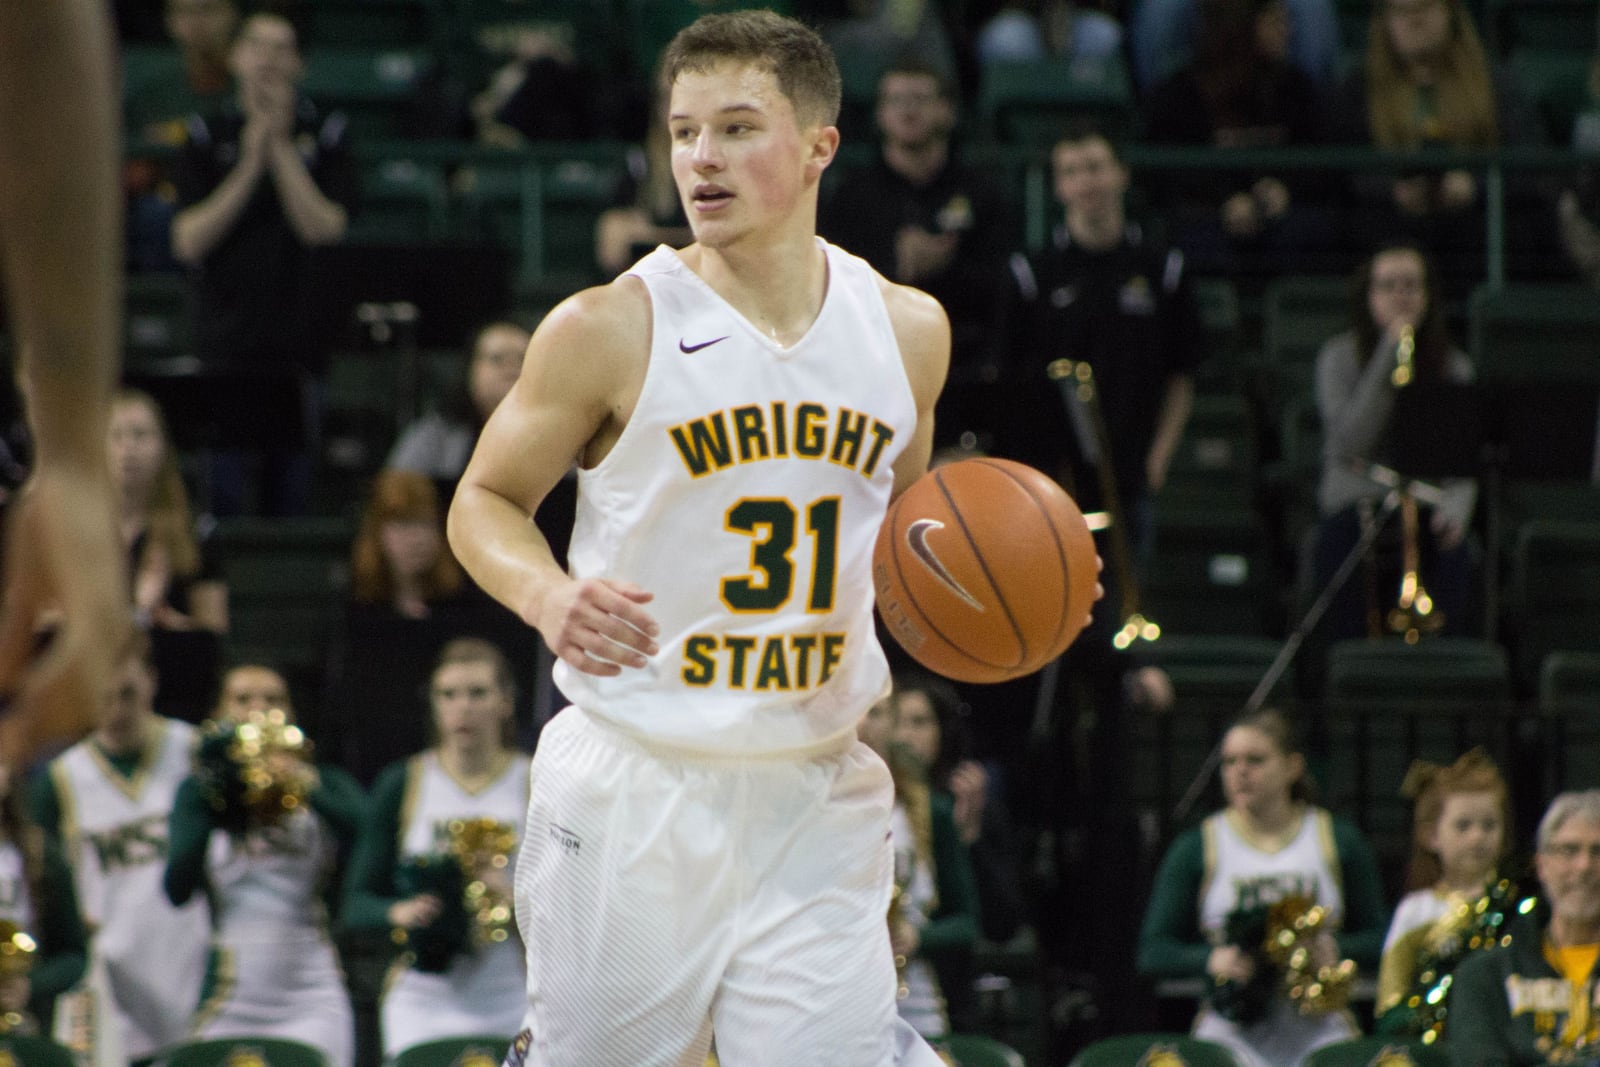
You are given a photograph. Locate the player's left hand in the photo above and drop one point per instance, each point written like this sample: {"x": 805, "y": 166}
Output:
{"x": 62, "y": 556}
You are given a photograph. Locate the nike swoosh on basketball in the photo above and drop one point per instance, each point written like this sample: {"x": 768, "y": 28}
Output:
{"x": 687, "y": 348}
{"x": 917, "y": 540}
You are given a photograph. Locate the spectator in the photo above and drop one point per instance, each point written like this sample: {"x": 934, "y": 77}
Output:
{"x": 179, "y": 592}
{"x": 260, "y": 187}
{"x": 1460, "y": 836}
{"x": 922, "y": 217}
{"x": 1242, "y": 91}
{"x": 541, "y": 92}
{"x": 1162, "y": 34}
{"x": 1032, "y": 30}
{"x": 471, "y": 773}
{"x": 929, "y": 726}
{"x": 156, "y": 110}
{"x": 105, "y": 802}
{"x": 266, "y": 876}
{"x": 1270, "y": 843}
{"x": 1532, "y": 1002}
{"x": 1396, "y": 293}
{"x": 933, "y": 910}
{"x": 645, "y": 210}
{"x": 1426, "y": 81}
{"x": 408, "y": 599}
{"x": 38, "y": 900}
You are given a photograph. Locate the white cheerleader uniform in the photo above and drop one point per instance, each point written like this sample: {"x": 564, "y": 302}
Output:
{"x": 484, "y": 991}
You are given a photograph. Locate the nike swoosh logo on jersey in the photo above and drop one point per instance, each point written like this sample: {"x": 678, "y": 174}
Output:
{"x": 917, "y": 540}
{"x": 688, "y": 348}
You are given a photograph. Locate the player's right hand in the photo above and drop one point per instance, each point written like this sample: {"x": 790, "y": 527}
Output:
{"x": 597, "y": 626}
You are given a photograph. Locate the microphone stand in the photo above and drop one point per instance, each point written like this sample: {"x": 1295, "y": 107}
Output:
{"x": 1397, "y": 486}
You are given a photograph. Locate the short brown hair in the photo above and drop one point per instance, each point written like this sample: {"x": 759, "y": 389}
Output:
{"x": 799, "y": 59}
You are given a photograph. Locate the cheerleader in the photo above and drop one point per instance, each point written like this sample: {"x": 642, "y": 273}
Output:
{"x": 471, "y": 775}
{"x": 1268, "y": 844}
{"x": 1459, "y": 838}
{"x": 273, "y": 971}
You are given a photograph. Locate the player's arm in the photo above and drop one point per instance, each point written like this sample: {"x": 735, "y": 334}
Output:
{"x": 923, "y": 330}
{"x": 579, "y": 380}
{"x": 60, "y": 252}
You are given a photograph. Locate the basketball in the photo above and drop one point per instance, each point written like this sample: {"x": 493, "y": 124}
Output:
{"x": 985, "y": 570}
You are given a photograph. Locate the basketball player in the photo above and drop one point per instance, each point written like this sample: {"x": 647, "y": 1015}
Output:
{"x": 471, "y": 774}
{"x": 707, "y": 843}
{"x": 61, "y": 247}
{"x": 107, "y": 801}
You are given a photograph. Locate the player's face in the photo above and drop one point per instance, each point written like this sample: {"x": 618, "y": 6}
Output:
{"x": 1469, "y": 836}
{"x": 496, "y": 362}
{"x": 469, "y": 706}
{"x": 1089, "y": 180}
{"x": 742, "y": 162}
{"x": 877, "y": 729}
{"x": 1398, "y": 292}
{"x": 917, "y": 726}
{"x": 1256, "y": 773}
{"x": 248, "y": 689}
{"x": 1569, "y": 870}
{"x": 134, "y": 446}
{"x": 410, "y": 546}
{"x": 912, "y": 113}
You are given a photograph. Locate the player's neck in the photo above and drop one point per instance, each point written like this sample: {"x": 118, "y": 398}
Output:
{"x": 779, "y": 286}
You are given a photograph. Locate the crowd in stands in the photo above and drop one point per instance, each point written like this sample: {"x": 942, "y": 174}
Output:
{"x": 1022, "y": 826}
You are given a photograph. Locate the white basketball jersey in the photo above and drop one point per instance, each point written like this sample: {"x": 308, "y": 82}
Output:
{"x": 746, "y": 493}
{"x": 1241, "y": 874}
{"x": 433, "y": 798}
{"x": 269, "y": 880}
{"x": 115, "y": 829}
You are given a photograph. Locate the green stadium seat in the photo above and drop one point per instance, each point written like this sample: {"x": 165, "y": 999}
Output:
{"x": 402, "y": 202}
{"x": 1028, "y": 103}
{"x": 976, "y": 1050}
{"x": 28, "y": 1051}
{"x": 376, "y": 87}
{"x": 1167, "y": 1050}
{"x": 386, "y": 23}
{"x": 156, "y": 324}
{"x": 1535, "y": 332}
{"x": 1366, "y": 1051}
{"x": 1210, "y": 572}
{"x": 1299, "y": 313}
{"x": 1555, "y": 24}
{"x": 1215, "y": 464}
{"x": 235, "y": 1051}
{"x": 1221, "y": 317}
{"x": 476, "y": 1050}
{"x": 1569, "y": 703}
{"x": 1558, "y": 81}
{"x": 1553, "y": 603}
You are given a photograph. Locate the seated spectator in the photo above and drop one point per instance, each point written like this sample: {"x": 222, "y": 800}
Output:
{"x": 929, "y": 726}
{"x": 646, "y": 210}
{"x": 179, "y": 592}
{"x": 1031, "y": 30}
{"x": 409, "y": 598}
{"x": 541, "y": 91}
{"x": 1242, "y": 91}
{"x": 1461, "y": 834}
{"x": 478, "y": 984}
{"x": 1209, "y": 910}
{"x": 1426, "y": 81}
{"x": 933, "y": 910}
{"x": 156, "y": 109}
{"x": 1396, "y": 295}
{"x": 266, "y": 875}
{"x": 1532, "y": 1002}
{"x": 1162, "y": 36}
{"x": 39, "y": 901}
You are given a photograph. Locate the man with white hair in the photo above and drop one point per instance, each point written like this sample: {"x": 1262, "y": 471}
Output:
{"x": 1534, "y": 1001}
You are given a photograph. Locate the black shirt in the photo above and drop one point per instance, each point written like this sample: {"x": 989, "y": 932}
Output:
{"x": 252, "y": 293}
{"x": 1129, "y": 313}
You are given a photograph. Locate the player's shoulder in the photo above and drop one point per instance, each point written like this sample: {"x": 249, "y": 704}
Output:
{"x": 922, "y": 329}
{"x": 606, "y": 325}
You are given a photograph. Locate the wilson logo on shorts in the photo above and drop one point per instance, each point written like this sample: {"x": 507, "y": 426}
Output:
{"x": 566, "y": 839}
